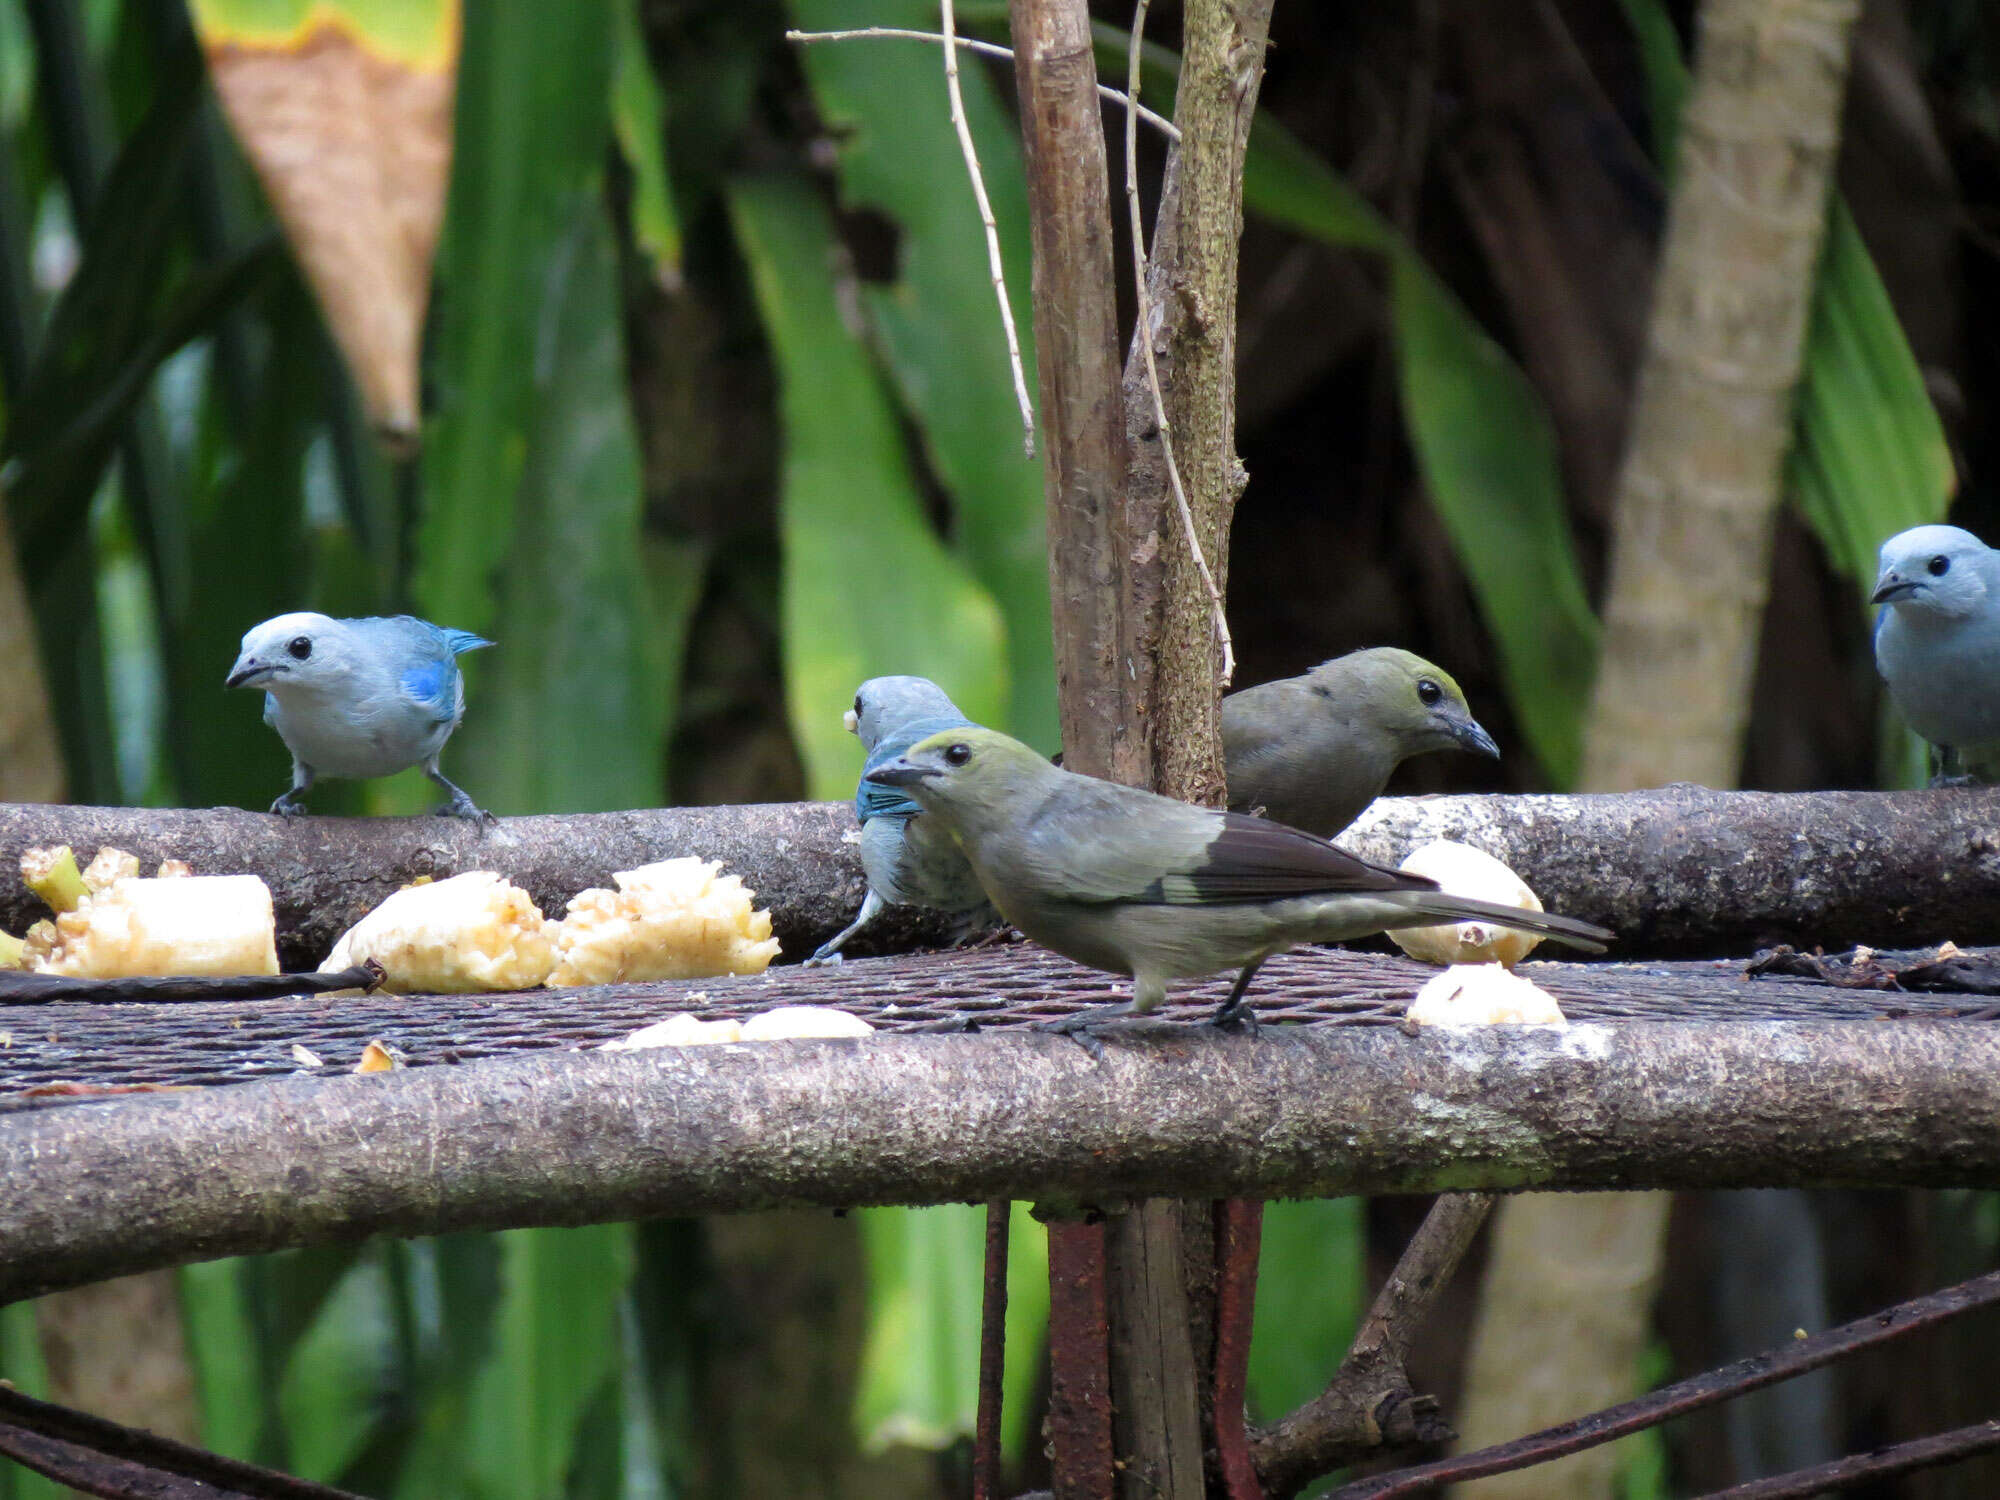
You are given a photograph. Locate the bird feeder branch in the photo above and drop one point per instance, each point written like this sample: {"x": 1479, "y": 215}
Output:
{"x": 143, "y": 1181}
{"x": 1676, "y": 871}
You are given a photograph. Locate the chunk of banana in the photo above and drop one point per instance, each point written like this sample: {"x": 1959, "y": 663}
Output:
{"x": 191, "y": 924}
{"x": 1483, "y": 995}
{"x": 676, "y": 919}
{"x": 473, "y": 932}
{"x": 1465, "y": 871}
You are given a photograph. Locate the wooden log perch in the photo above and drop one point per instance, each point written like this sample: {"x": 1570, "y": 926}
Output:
{"x": 1677, "y": 871}
{"x": 106, "y": 1188}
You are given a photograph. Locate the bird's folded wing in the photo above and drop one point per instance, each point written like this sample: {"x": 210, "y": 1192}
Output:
{"x": 432, "y": 686}
{"x": 1254, "y": 859}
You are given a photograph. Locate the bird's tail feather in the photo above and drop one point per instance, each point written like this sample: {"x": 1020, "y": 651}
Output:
{"x": 1426, "y": 907}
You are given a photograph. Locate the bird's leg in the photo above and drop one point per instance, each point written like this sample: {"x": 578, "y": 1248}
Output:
{"x": 829, "y": 952}
{"x": 1235, "y": 1014}
{"x": 292, "y": 804}
{"x": 460, "y": 806}
{"x": 997, "y": 936}
{"x": 1948, "y": 768}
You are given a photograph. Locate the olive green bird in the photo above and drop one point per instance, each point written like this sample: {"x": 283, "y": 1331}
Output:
{"x": 1135, "y": 883}
{"x": 1313, "y": 751}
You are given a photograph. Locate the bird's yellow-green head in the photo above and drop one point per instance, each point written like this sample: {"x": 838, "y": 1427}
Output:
{"x": 1414, "y": 701}
{"x": 958, "y": 772}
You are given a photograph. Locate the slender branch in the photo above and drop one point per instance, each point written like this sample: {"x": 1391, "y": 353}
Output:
{"x": 949, "y": 38}
{"x": 1422, "y": 1271}
{"x": 1368, "y": 1405}
{"x": 992, "y": 1354}
{"x": 141, "y": 1181}
{"x": 1110, "y": 95}
{"x": 1145, "y": 338}
{"x": 1858, "y": 1468}
{"x": 17, "y": 988}
{"x": 1682, "y": 1397}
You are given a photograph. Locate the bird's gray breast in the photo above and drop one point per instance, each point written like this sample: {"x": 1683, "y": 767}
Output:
{"x": 914, "y": 862}
{"x": 1944, "y": 676}
{"x": 373, "y": 731}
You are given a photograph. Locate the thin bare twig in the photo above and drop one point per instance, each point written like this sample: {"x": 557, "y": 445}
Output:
{"x": 102, "y": 1458}
{"x": 1158, "y": 121}
{"x": 1145, "y": 322}
{"x": 949, "y": 38}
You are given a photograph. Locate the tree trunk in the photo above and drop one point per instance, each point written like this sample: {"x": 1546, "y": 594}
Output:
{"x": 1691, "y": 533}
{"x": 1696, "y": 502}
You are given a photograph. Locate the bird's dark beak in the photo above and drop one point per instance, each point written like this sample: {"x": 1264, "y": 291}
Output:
{"x": 1472, "y": 736}
{"x": 902, "y": 771}
{"x": 1890, "y": 587}
{"x": 245, "y": 673}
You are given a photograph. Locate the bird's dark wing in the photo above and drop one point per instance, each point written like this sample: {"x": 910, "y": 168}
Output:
{"x": 1254, "y": 859}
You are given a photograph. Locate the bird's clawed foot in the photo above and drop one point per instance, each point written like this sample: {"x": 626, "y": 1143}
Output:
{"x": 1942, "y": 781}
{"x": 292, "y": 804}
{"x": 460, "y": 805}
{"x": 987, "y": 937}
{"x": 824, "y": 956}
{"x": 464, "y": 807}
{"x": 1082, "y": 1028}
{"x": 1235, "y": 1015}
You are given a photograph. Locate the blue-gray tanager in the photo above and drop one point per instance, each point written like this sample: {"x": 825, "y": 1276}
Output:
{"x": 1937, "y": 645}
{"x": 1134, "y": 883}
{"x": 908, "y": 859}
{"x": 358, "y": 698}
{"x": 1314, "y": 751}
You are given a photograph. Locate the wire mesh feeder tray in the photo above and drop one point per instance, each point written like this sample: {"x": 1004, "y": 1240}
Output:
{"x": 206, "y": 1043}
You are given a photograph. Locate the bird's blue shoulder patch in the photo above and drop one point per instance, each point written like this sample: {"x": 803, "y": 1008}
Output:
{"x": 429, "y": 683}
{"x": 872, "y": 800}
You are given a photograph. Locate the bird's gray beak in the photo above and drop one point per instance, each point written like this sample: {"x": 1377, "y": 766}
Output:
{"x": 1472, "y": 736}
{"x": 902, "y": 771}
{"x": 1890, "y": 587}
{"x": 247, "y": 672}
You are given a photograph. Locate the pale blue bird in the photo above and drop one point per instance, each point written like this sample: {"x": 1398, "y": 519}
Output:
{"x": 1937, "y": 646}
{"x": 358, "y": 698}
{"x": 908, "y": 858}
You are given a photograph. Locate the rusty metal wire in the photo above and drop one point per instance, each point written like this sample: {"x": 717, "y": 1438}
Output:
{"x": 1684, "y": 1396}
{"x": 197, "y": 1043}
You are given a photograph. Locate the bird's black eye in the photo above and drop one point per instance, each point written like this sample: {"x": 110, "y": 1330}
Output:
{"x": 1428, "y": 692}
{"x": 300, "y": 647}
{"x": 1939, "y": 566}
{"x": 957, "y": 755}
{"x": 857, "y": 705}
